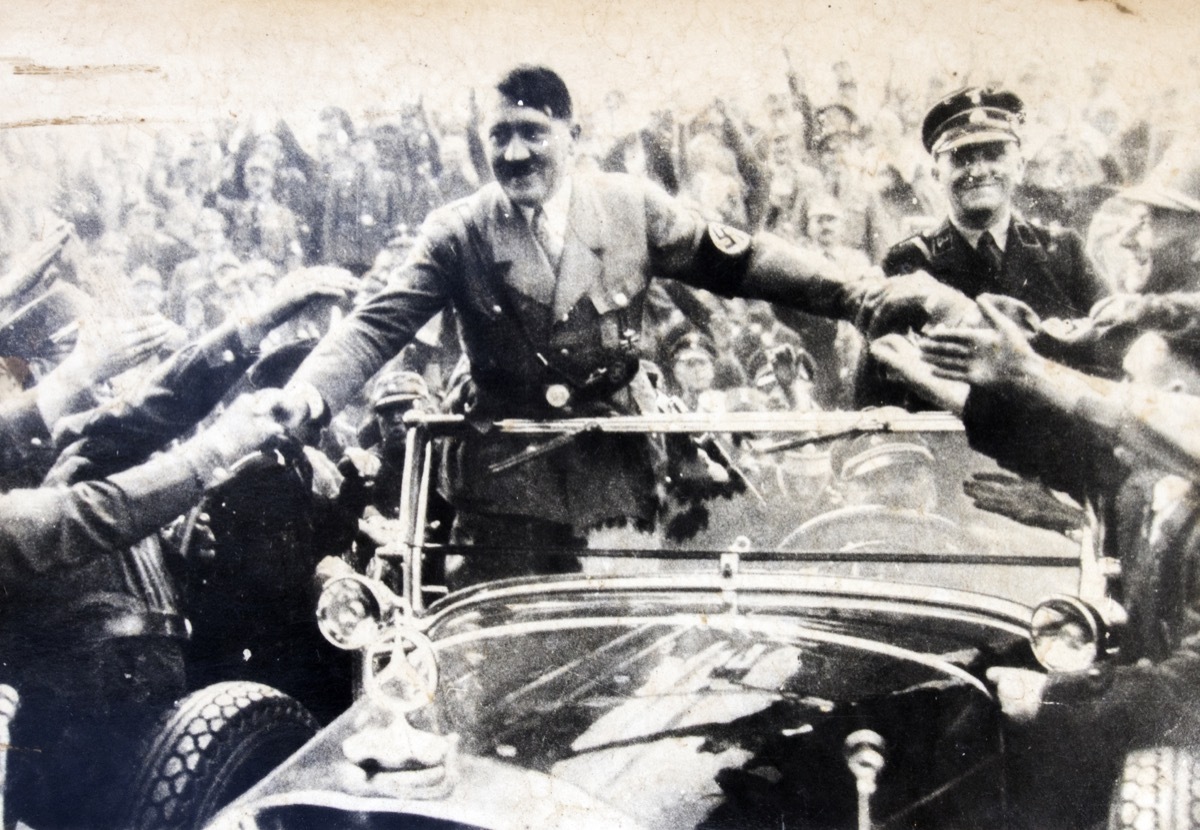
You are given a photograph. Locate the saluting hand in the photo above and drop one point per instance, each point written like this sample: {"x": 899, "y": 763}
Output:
{"x": 107, "y": 347}
{"x": 31, "y": 262}
{"x": 290, "y": 296}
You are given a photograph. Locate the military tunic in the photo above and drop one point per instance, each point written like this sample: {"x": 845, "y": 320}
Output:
{"x": 553, "y": 343}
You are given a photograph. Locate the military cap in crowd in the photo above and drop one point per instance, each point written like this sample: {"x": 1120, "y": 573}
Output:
{"x": 36, "y": 329}
{"x": 974, "y": 115}
{"x": 1174, "y": 184}
{"x": 398, "y": 388}
{"x": 870, "y": 454}
{"x": 274, "y": 369}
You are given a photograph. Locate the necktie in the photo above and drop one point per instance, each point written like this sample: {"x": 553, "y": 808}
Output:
{"x": 545, "y": 237}
{"x": 991, "y": 254}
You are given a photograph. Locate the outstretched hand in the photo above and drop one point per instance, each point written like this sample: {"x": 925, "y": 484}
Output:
{"x": 912, "y": 301}
{"x": 33, "y": 261}
{"x": 1119, "y": 310}
{"x": 1025, "y": 501}
{"x": 107, "y": 347}
{"x": 245, "y": 427}
{"x": 993, "y": 356}
{"x": 291, "y": 295}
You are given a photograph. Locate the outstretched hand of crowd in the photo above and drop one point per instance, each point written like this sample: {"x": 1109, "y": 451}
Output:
{"x": 106, "y": 347}
{"x": 244, "y": 427}
{"x": 31, "y": 263}
{"x": 911, "y": 301}
{"x": 995, "y": 355}
{"x": 291, "y": 295}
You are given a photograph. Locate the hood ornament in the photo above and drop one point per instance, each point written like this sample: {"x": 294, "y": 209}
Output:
{"x": 864, "y": 756}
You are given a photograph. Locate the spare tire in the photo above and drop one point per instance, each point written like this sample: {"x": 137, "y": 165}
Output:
{"x": 1159, "y": 789}
{"x": 208, "y": 749}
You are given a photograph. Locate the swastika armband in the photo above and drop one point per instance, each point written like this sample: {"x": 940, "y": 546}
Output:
{"x": 722, "y": 258}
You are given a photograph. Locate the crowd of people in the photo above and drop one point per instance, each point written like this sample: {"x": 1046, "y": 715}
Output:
{"x": 162, "y": 307}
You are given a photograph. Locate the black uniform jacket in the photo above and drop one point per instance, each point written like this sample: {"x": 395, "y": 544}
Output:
{"x": 1047, "y": 269}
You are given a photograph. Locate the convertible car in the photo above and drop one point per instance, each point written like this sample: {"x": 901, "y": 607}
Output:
{"x": 811, "y": 655}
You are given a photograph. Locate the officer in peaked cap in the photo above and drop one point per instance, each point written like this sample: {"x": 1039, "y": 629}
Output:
{"x": 972, "y": 116}
{"x": 983, "y": 245}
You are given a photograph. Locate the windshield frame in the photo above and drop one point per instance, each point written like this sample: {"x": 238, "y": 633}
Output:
{"x": 402, "y": 556}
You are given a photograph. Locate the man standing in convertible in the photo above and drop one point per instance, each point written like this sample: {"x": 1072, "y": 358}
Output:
{"x": 548, "y": 272}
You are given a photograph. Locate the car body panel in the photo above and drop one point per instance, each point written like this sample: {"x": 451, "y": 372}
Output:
{"x": 689, "y": 703}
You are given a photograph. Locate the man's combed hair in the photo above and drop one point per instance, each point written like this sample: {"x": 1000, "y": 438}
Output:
{"x": 537, "y": 87}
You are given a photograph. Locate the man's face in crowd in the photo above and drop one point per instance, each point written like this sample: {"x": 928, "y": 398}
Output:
{"x": 781, "y": 148}
{"x": 826, "y": 229}
{"x": 259, "y": 180}
{"x": 980, "y": 180}
{"x": 330, "y": 138}
{"x": 392, "y": 429}
{"x": 529, "y": 151}
{"x": 210, "y": 232}
{"x": 1161, "y": 241}
{"x": 149, "y": 297}
{"x": 1152, "y": 361}
{"x": 694, "y": 370}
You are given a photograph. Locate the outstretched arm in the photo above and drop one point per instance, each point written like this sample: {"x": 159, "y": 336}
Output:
{"x": 52, "y": 527}
{"x": 376, "y": 331}
{"x": 1158, "y": 426}
{"x": 731, "y": 263}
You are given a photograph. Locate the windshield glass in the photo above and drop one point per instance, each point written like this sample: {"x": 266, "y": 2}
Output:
{"x": 904, "y": 500}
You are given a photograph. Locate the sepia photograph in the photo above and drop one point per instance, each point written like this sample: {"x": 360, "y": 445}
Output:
{"x": 695, "y": 415}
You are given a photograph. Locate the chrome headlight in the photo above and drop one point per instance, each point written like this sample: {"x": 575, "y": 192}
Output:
{"x": 351, "y": 611}
{"x": 1067, "y": 635}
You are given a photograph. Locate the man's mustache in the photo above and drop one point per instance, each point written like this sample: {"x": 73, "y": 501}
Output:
{"x": 973, "y": 181}
{"x": 515, "y": 169}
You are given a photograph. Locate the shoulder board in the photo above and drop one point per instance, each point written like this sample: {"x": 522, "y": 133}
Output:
{"x": 921, "y": 245}
{"x": 906, "y": 255}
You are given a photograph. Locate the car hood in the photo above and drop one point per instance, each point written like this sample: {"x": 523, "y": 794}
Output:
{"x": 680, "y": 703}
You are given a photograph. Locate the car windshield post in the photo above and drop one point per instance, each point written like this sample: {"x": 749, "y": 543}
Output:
{"x": 414, "y": 502}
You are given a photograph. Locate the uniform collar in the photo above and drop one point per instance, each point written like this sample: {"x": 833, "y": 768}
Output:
{"x": 998, "y": 229}
{"x": 557, "y": 208}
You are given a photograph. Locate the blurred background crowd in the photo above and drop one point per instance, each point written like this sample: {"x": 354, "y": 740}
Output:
{"x": 191, "y": 224}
